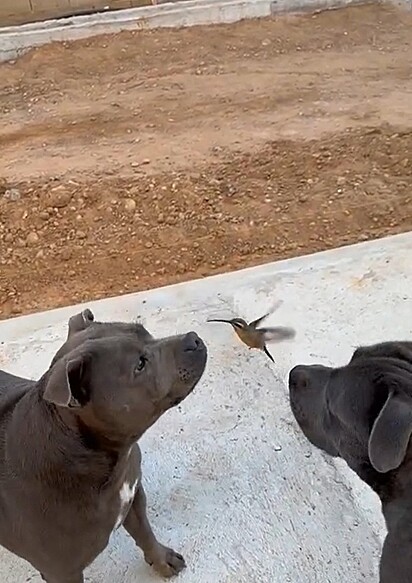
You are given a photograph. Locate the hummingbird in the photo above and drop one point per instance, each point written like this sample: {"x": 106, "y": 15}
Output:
{"x": 255, "y": 337}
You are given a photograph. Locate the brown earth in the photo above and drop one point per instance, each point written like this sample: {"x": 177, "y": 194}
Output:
{"x": 137, "y": 160}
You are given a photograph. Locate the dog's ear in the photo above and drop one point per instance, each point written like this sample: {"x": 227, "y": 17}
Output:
{"x": 391, "y": 432}
{"x": 80, "y": 321}
{"x": 67, "y": 384}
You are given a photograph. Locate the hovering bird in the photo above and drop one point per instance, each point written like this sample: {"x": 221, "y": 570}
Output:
{"x": 255, "y": 337}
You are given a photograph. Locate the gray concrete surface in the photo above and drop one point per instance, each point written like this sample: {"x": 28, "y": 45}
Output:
{"x": 15, "y": 40}
{"x": 231, "y": 482}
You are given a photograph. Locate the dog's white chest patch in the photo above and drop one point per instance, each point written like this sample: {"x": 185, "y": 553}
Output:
{"x": 126, "y": 495}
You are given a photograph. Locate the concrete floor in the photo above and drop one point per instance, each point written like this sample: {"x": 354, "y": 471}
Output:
{"x": 231, "y": 483}
{"x": 16, "y": 40}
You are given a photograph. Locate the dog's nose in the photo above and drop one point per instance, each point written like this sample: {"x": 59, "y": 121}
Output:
{"x": 191, "y": 342}
{"x": 298, "y": 377}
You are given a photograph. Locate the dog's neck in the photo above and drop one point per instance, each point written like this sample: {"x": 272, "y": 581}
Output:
{"x": 396, "y": 511}
{"x": 394, "y": 489}
{"x": 52, "y": 446}
{"x": 86, "y": 428}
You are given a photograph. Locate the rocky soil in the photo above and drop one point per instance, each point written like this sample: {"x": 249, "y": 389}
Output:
{"x": 135, "y": 161}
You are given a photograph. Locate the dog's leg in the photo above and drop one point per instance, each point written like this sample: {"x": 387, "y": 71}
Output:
{"x": 164, "y": 560}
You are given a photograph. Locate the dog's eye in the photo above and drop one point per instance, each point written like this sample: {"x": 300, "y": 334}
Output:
{"x": 140, "y": 365}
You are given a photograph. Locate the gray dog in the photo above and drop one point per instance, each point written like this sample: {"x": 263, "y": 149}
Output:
{"x": 362, "y": 412}
{"x": 69, "y": 464}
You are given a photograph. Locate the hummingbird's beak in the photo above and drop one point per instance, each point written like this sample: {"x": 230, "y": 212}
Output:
{"x": 218, "y": 320}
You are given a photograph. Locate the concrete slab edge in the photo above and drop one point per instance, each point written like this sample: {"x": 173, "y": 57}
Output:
{"x": 16, "y": 40}
{"x": 20, "y": 325}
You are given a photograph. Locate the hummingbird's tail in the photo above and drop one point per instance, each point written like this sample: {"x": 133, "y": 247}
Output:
{"x": 266, "y": 351}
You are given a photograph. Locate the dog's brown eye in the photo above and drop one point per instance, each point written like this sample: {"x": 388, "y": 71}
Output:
{"x": 141, "y": 364}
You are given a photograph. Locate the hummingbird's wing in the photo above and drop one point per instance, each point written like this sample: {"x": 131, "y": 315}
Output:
{"x": 277, "y": 334}
{"x": 255, "y": 323}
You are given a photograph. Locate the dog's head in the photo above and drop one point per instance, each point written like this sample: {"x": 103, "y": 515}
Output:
{"x": 361, "y": 412}
{"x": 116, "y": 379}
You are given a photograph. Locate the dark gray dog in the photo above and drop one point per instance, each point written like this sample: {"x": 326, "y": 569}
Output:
{"x": 69, "y": 464}
{"x": 362, "y": 412}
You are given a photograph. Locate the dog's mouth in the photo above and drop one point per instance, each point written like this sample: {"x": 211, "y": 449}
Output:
{"x": 185, "y": 385}
{"x": 191, "y": 368}
{"x": 191, "y": 364}
{"x": 313, "y": 430}
{"x": 176, "y": 401}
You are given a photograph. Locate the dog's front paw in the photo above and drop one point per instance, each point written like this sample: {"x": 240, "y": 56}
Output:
{"x": 166, "y": 561}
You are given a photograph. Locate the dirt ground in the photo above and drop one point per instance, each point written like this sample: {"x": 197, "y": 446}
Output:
{"x": 137, "y": 160}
